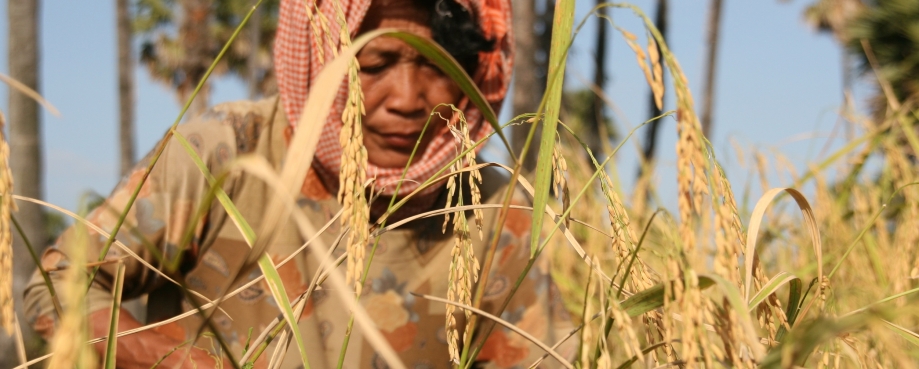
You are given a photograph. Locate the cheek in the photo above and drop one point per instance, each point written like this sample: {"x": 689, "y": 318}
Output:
{"x": 443, "y": 91}
{"x": 372, "y": 91}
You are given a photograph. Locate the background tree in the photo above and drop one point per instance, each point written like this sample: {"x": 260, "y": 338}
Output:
{"x": 25, "y": 148}
{"x": 125, "y": 87}
{"x": 711, "y": 58}
{"x": 834, "y": 17}
{"x": 889, "y": 30}
{"x": 597, "y": 125}
{"x": 181, "y": 38}
{"x": 530, "y": 31}
{"x": 660, "y": 21}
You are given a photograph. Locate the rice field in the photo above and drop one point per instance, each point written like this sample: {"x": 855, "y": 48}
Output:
{"x": 774, "y": 283}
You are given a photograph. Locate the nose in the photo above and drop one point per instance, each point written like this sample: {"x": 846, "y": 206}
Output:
{"x": 406, "y": 96}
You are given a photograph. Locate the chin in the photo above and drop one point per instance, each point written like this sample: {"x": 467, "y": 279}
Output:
{"x": 390, "y": 162}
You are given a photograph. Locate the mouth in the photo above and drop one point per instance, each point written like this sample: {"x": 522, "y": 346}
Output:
{"x": 401, "y": 141}
{"x": 398, "y": 140}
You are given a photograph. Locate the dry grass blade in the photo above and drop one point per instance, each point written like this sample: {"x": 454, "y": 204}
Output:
{"x": 505, "y": 323}
{"x": 528, "y": 188}
{"x": 756, "y": 219}
{"x": 7, "y": 313}
{"x": 436, "y": 212}
{"x": 261, "y": 342}
{"x": 259, "y": 167}
{"x": 20, "y": 344}
{"x": 30, "y": 93}
{"x": 69, "y": 340}
{"x": 265, "y": 264}
{"x": 83, "y": 221}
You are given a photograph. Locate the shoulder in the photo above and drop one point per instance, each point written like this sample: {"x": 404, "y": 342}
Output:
{"x": 239, "y": 122}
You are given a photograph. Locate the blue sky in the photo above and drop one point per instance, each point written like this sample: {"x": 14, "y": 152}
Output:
{"x": 778, "y": 89}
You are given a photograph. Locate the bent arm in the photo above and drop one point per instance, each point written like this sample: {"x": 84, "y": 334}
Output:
{"x": 156, "y": 346}
{"x": 153, "y": 230}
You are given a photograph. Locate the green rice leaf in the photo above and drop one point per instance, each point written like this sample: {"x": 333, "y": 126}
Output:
{"x": 653, "y": 298}
{"x": 794, "y": 306}
{"x": 773, "y": 285}
{"x": 265, "y": 264}
{"x": 111, "y": 346}
{"x": 561, "y": 39}
{"x": 806, "y": 337}
{"x": 901, "y": 331}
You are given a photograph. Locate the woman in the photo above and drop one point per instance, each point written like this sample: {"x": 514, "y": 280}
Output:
{"x": 401, "y": 88}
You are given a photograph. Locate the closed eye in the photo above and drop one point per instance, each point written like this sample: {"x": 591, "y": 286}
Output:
{"x": 374, "y": 68}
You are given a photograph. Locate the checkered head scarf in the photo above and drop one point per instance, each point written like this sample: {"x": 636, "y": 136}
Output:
{"x": 298, "y": 62}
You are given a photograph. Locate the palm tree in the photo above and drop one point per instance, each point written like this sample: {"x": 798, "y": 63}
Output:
{"x": 708, "y": 99}
{"x": 660, "y": 21}
{"x": 125, "y": 87}
{"x": 183, "y": 37}
{"x": 833, "y": 16}
{"x": 597, "y": 122}
{"x": 529, "y": 69}
{"x": 889, "y": 30}
{"x": 25, "y": 144}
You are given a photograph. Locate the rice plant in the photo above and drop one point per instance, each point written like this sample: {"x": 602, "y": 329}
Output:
{"x": 784, "y": 284}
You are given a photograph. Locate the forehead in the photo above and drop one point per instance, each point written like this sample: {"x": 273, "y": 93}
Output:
{"x": 406, "y": 15}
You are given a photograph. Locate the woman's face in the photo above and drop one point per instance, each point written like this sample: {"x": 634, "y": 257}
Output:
{"x": 401, "y": 87}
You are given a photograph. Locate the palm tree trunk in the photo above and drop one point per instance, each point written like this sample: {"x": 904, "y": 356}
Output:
{"x": 25, "y": 144}
{"x": 660, "y": 21}
{"x": 526, "y": 80}
{"x": 597, "y": 121}
{"x": 125, "y": 88}
{"x": 708, "y": 99}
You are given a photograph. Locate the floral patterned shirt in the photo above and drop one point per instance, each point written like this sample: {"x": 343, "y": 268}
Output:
{"x": 413, "y": 258}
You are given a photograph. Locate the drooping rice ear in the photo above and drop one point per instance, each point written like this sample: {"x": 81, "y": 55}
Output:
{"x": 353, "y": 170}
{"x": 7, "y": 313}
{"x": 68, "y": 345}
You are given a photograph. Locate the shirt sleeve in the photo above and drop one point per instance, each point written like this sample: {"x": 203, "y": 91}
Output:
{"x": 536, "y": 307}
{"x": 155, "y": 227}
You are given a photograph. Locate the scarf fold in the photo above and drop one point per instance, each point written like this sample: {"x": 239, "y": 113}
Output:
{"x": 298, "y": 61}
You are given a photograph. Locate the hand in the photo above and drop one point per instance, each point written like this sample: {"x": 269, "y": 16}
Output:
{"x": 154, "y": 346}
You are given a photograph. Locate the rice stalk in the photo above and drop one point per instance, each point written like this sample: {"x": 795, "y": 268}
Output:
{"x": 464, "y": 266}
{"x": 69, "y": 343}
{"x": 464, "y": 269}
{"x": 587, "y": 334}
{"x": 695, "y": 310}
{"x": 624, "y": 327}
{"x": 729, "y": 237}
{"x": 603, "y": 358}
{"x": 353, "y": 171}
{"x": 7, "y": 206}
{"x": 559, "y": 171}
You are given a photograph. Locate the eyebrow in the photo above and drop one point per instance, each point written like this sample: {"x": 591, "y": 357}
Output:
{"x": 381, "y": 52}
{"x": 383, "y": 48}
